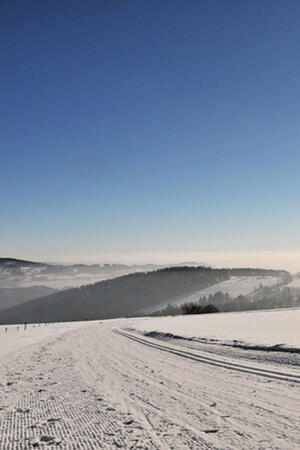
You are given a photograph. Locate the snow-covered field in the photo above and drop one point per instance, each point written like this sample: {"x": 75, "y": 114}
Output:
{"x": 91, "y": 385}
{"x": 264, "y": 328}
{"x": 14, "y": 337}
{"x": 240, "y": 285}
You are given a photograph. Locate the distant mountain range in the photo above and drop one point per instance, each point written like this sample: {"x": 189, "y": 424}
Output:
{"x": 14, "y": 263}
{"x": 122, "y": 296}
{"x": 17, "y": 263}
{"x": 22, "y": 273}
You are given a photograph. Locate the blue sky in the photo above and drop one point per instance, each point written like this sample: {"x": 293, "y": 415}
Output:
{"x": 149, "y": 130}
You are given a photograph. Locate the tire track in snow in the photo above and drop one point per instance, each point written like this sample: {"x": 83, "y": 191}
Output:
{"x": 193, "y": 438}
{"x": 57, "y": 409}
{"x": 276, "y": 375}
{"x": 91, "y": 389}
{"x": 128, "y": 389}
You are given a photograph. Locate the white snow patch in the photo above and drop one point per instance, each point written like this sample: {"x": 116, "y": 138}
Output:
{"x": 236, "y": 286}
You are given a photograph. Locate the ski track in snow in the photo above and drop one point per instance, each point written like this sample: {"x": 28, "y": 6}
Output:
{"x": 86, "y": 387}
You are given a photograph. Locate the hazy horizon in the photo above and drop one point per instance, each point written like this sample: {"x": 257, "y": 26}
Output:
{"x": 268, "y": 260}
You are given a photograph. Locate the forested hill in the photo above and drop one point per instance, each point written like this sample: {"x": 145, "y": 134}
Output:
{"x": 123, "y": 296}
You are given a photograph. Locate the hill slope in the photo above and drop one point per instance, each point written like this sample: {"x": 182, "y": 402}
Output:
{"x": 14, "y": 296}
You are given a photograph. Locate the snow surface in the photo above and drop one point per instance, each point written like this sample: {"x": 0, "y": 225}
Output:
{"x": 236, "y": 286}
{"x": 83, "y": 386}
{"x": 265, "y": 328}
{"x": 14, "y": 337}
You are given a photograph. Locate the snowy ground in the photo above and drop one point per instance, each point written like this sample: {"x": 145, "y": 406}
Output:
{"x": 264, "y": 328}
{"x": 236, "y": 286}
{"x": 86, "y": 386}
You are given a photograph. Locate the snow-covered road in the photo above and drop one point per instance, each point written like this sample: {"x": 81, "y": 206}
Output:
{"x": 83, "y": 386}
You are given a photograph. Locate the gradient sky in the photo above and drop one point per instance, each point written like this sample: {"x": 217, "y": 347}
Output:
{"x": 148, "y": 130}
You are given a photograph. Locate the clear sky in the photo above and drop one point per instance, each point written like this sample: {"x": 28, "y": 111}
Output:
{"x": 150, "y": 130}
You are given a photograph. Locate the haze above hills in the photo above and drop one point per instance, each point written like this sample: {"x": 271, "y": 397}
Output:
{"x": 21, "y": 273}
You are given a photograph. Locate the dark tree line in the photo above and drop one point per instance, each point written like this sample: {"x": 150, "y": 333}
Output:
{"x": 186, "y": 308}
